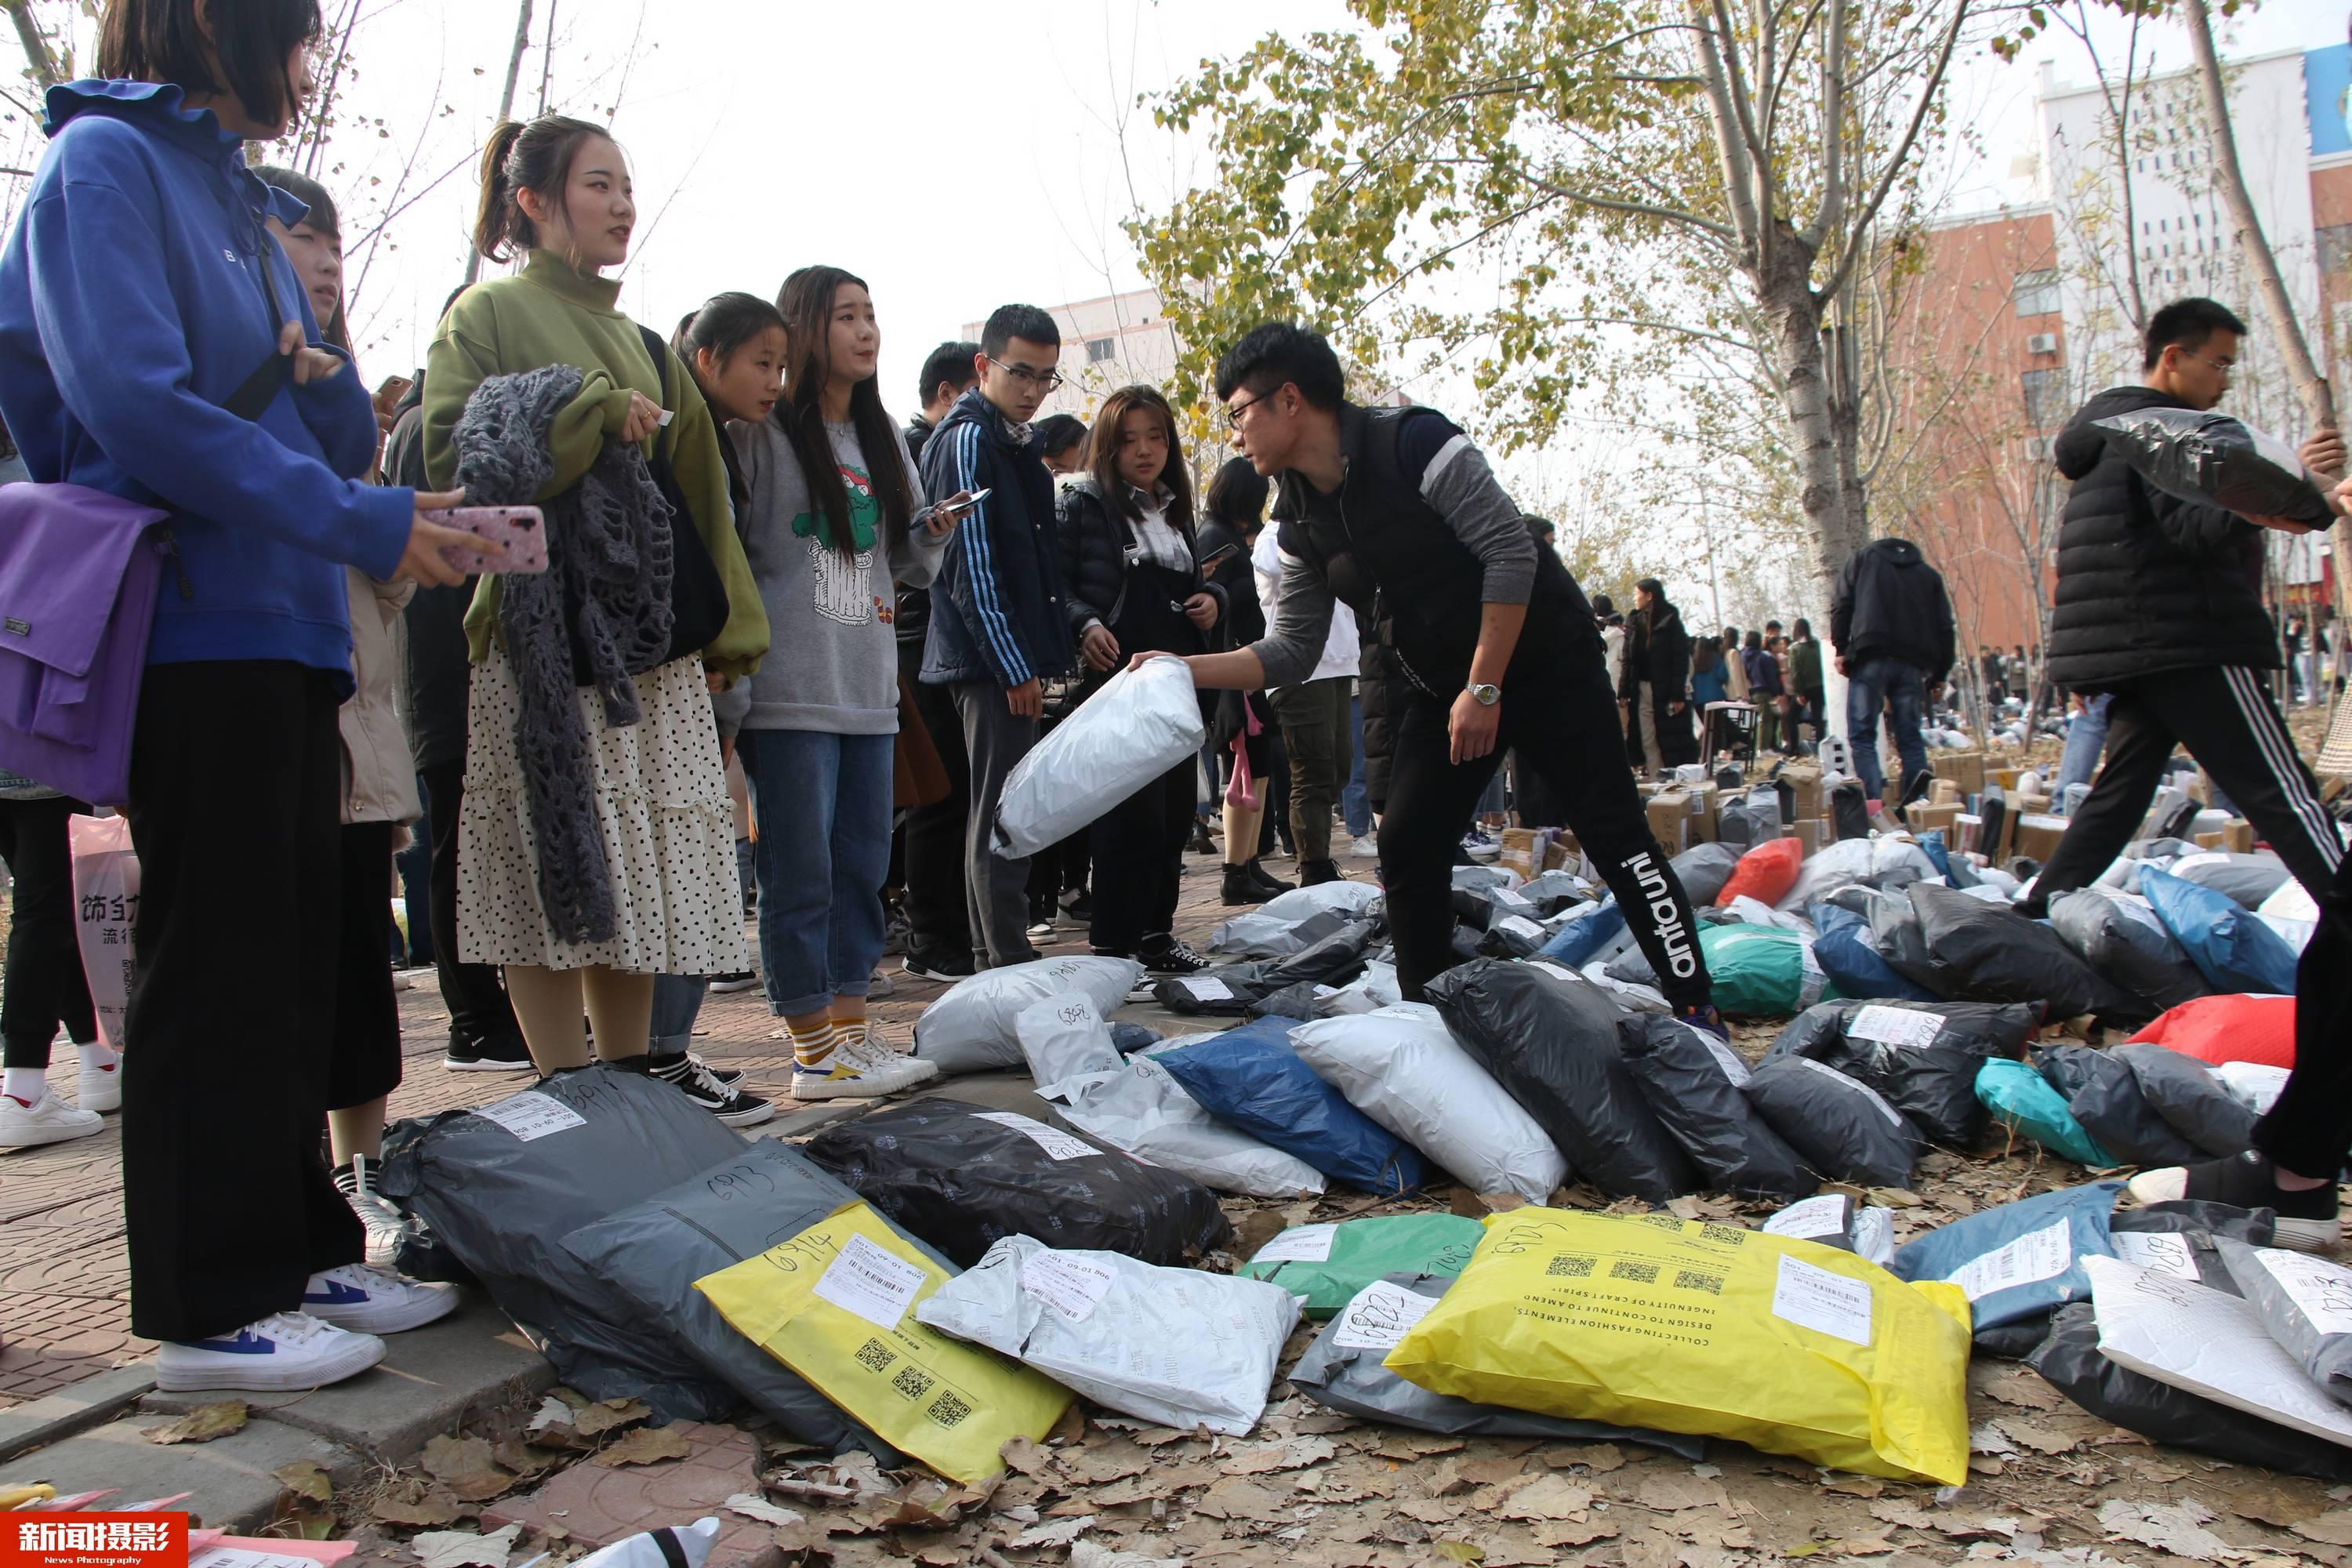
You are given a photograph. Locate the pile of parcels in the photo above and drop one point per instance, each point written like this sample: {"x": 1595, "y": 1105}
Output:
{"x": 938, "y": 1278}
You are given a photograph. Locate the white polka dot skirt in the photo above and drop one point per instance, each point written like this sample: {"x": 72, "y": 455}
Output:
{"x": 669, "y": 833}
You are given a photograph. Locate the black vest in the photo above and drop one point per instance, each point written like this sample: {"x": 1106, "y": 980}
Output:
{"x": 1388, "y": 554}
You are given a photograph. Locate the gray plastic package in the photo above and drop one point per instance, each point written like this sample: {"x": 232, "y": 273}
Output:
{"x": 501, "y": 1186}
{"x": 2305, "y": 1302}
{"x": 1143, "y": 1110}
{"x": 976, "y": 1027}
{"x": 1342, "y": 1370}
{"x": 1064, "y": 1038}
{"x": 1703, "y": 870}
{"x": 1142, "y": 723}
{"x": 654, "y": 1252}
{"x": 1178, "y": 1346}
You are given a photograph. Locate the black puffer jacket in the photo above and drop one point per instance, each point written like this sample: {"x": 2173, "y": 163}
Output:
{"x": 1094, "y": 544}
{"x": 2146, "y": 581}
{"x": 1890, "y": 603}
{"x": 1657, "y": 650}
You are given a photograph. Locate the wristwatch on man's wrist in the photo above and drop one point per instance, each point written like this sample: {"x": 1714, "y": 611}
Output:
{"x": 1487, "y": 694}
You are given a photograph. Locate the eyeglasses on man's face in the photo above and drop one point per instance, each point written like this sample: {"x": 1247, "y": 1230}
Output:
{"x": 1233, "y": 411}
{"x": 1043, "y": 380}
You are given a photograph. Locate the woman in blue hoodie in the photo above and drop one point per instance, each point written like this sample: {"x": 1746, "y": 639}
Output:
{"x": 138, "y": 291}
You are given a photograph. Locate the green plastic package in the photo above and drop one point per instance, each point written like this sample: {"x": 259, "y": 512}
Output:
{"x": 1328, "y": 1264}
{"x": 2022, "y": 1100}
{"x": 1763, "y": 972}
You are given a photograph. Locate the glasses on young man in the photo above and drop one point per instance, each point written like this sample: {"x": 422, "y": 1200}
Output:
{"x": 1235, "y": 411}
{"x": 2226, "y": 366}
{"x": 1047, "y": 380}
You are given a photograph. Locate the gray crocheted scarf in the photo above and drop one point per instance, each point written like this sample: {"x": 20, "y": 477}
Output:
{"x": 599, "y": 616}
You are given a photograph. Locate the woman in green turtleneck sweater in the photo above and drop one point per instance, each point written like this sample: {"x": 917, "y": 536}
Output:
{"x": 559, "y": 189}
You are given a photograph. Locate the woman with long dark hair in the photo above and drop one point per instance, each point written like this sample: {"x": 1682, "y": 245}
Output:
{"x": 832, "y": 523}
{"x": 1131, "y": 565}
{"x": 156, "y": 345}
{"x": 598, "y": 844}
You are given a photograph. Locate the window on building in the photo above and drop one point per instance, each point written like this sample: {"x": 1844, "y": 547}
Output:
{"x": 2035, "y": 293}
{"x": 1100, "y": 349}
{"x": 2045, "y": 396}
{"x": 2335, "y": 244}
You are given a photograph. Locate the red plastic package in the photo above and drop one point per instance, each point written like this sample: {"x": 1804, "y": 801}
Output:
{"x": 1765, "y": 873}
{"x": 2234, "y": 1028}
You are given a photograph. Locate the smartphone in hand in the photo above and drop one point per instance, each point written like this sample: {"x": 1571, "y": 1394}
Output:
{"x": 521, "y": 529}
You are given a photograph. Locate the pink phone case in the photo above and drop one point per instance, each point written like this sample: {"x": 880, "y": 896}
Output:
{"x": 521, "y": 529}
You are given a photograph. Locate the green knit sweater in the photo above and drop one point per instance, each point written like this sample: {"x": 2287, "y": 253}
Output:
{"x": 551, "y": 313}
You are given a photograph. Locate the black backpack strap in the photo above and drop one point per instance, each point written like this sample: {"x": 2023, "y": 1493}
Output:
{"x": 673, "y": 1554}
{"x": 261, "y": 387}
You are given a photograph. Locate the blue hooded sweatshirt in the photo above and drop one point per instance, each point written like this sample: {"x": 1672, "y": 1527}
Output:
{"x": 131, "y": 307}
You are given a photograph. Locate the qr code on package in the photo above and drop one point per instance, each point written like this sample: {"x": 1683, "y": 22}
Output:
{"x": 1692, "y": 1279}
{"x": 947, "y": 1410}
{"x": 1571, "y": 1266}
{"x": 912, "y": 1381}
{"x": 875, "y": 1355}
{"x": 1638, "y": 1273}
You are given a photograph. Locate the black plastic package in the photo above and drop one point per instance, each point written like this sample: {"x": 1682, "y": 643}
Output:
{"x": 1926, "y": 1069}
{"x": 2213, "y": 459}
{"x": 963, "y": 1177}
{"x": 1693, "y": 1083}
{"x": 1551, "y": 1043}
{"x": 2070, "y": 1361}
{"x": 1844, "y": 1127}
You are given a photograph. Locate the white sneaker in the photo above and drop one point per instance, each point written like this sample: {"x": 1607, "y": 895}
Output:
{"x": 1364, "y": 847}
{"x": 371, "y": 1300}
{"x": 867, "y": 1076}
{"x": 48, "y": 1120}
{"x": 880, "y": 984}
{"x": 284, "y": 1351}
{"x": 100, "y": 1087}
{"x": 385, "y": 1226}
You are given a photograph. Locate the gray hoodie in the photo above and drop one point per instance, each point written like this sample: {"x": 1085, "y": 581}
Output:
{"x": 832, "y": 664}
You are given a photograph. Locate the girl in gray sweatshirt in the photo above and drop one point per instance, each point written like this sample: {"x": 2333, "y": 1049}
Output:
{"x": 832, "y": 523}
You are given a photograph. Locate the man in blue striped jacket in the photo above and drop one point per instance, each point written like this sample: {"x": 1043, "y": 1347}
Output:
{"x": 998, "y": 626}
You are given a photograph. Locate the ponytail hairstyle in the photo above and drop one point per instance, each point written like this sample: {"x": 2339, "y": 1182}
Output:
{"x": 1102, "y": 455}
{"x": 806, "y": 303}
{"x": 322, "y": 215}
{"x": 534, "y": 157}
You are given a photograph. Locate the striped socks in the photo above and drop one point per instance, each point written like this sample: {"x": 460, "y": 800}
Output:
{"x": 813, "y": 1047}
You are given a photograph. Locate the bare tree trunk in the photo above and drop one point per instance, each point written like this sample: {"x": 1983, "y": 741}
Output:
{"x": 38, "y": 58}
{"x": 2310, "y": 388}
{"x": 506, "y": 99}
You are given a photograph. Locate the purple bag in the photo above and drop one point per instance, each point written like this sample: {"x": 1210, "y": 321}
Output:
{"x": 80, "y": 569}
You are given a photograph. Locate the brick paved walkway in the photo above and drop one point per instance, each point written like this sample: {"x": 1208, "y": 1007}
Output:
{"x": 64, "y": 1306}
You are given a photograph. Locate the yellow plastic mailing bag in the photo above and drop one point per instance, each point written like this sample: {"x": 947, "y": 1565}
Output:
{"x": 1647, "y": 1320}
{"x": 835, "y": 1303}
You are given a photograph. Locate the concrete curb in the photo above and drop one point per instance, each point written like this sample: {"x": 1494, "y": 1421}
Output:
{"x": 433, "y": 1380}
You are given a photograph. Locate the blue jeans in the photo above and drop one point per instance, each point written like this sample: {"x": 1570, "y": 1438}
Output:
{"x": 677, "y": 1000}
{"x": 823, "y": 801}
{"x": 1356, "y": 799}
{"x": 2086, "y": 737}
{"x": 1872, "y": 685}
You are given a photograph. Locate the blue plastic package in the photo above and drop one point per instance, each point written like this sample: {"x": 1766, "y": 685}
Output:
{"x": 1843, "y": 949}
{"x": 1931, "y": 843}
{"x": 2022, "y": 1100}
{"x": 2227, "y": 942}
{"x": 1580, "y": 938}
{"x": 1251, "y": 1078}
{"x": 2021, "y": 1260}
